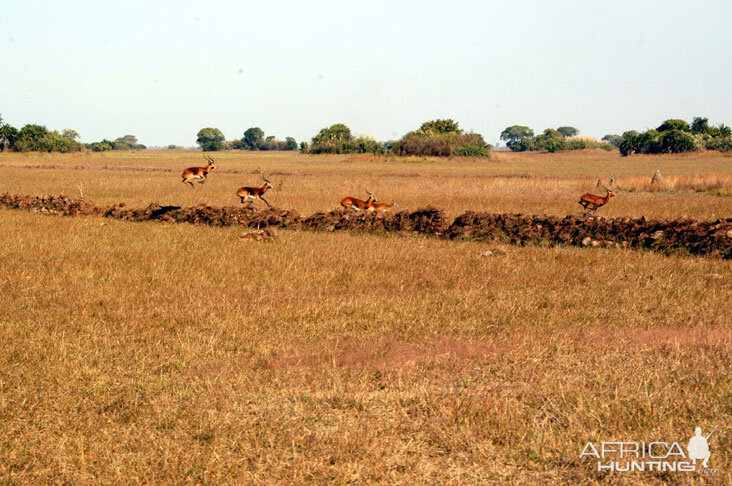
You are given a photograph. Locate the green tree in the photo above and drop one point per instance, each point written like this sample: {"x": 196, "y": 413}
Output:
{"x": 551, "y": 140}
{"x": 613, "y": 140}
{"x": 69, "y": 133}
{"x": 519, "y": 138}
{"x": 128, "y": 139}
{"x": 700, "y": 125}
{"x": 254, "y": 138}
{"x": 674, "y": 124}
{"x": 335, "y": 133}
{"x": 722, "y": 131}
{"x": 8, "y": 137}
{"x": 568, "y": 131}
{"x": 440, "y": 126}
{"x": 290, "y": 143}
{"x": 675, "y": 141}
{"x": 210, "y": 139}
{"x": 34, "y": 138}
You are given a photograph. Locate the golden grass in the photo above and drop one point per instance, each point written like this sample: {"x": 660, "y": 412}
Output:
{"x": 161, "y": 353}
{"x": 508, "y": 182}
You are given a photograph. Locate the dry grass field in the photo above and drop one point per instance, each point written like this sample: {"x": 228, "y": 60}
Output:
{"x": 162, "y": 353}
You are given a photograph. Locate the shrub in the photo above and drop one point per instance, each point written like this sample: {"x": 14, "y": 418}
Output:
{"x": 675, "y": 141}
{"x": 720, "y": 144}
{"x": 441, "y": 144}
{"x": 668, "y": 141}
{"x": 468, "y": 150}
{"x": 613, "y": 140}
{"x": 674, "y": 124}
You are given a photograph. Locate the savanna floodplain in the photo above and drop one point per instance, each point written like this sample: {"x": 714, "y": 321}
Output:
{"x": 149, "y": 352}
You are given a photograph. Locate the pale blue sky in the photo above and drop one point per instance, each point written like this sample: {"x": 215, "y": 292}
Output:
{"x": 163, "y": 70}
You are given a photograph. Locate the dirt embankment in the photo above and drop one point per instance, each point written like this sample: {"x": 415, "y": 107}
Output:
{"x": 683, "y": 235}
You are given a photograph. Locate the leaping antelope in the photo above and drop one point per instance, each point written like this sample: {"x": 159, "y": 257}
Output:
{"x": 359, "y": 204}
{"x": 253, "y": 193}
{"x": 591, "y": 202}
{"x": 198, "y": 173}
{"x": 383, "y": 207}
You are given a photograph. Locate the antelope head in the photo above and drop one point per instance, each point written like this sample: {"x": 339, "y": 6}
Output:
{"x": 209, "y": 160}
{"x": 266, "y": 181}
{"x": 372, "y": 198}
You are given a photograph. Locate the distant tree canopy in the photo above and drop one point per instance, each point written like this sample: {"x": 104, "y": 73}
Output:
{"x": 700, "y": 125}
{"x": 568, "y": 131}
{"x": 439, "y": 126}
{"x": 254, "y": 139}
{"x": 613, "y": 140}
{"x": 520, "y": 138}
{"x": 441, "y": 137}
{"x": 210, "y": 139}
{"x": 674, "y": 124}
{"x": 69, "y": 133}
{"x": 36, "y": 138}
{"x": 337, "y": 139}
{"x": 677, "y": 136}
{"x": 128, "y": 142}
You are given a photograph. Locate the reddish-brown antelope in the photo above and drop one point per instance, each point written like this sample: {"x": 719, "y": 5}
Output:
{"x": 383, "y": 207}
{"x": 591, "y": 202}
{"x": 359, "y": 204}
{"x": 198, "y": 173}
{"x": 254, "y": 193}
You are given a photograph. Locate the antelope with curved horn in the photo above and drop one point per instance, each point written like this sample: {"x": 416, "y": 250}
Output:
{"x": 358, "y": 204}
{"x": 198, "y": 173}
{"x": 383, "y": 207}
{"x": 591, "y": 202}
{"x": 254, "y": 193}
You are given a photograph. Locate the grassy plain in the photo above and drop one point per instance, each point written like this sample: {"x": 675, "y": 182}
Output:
{"x": 149, "y": 353}
{"x": 526, "y": 183}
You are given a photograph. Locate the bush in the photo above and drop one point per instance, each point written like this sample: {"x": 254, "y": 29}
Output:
{"x": 337, "y": 139}
{"x": 675, "y": 141}
{"x": 674, "y": 124}
{"x": 668, "y": 141}
{"x": 720, "y": 144}
{"x": 613, "y": 140}
{"x": 472, "y": 151}
{"x": 38, "y": 138}
{"x": 441, "y": 145}
{"x": 440, "y": 138}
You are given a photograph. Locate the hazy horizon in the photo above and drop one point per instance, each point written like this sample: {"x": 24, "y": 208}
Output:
{"x": 162, "y": 71}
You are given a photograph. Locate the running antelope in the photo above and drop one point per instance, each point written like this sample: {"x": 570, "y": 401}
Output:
{"x": 591, "y": 202}
{"x": 198, "y": 173}
{"x": 383, "y": 207}
{"x": 359, "y": 204}
{"x": 254, "y": 193}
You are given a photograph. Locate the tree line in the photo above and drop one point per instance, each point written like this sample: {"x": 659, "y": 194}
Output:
{"x": 442, "y": 137}
{"x": 438, "y": 138}
{"x": 213, "y": 139}
{"x": 672, "y": 136}
{"x": 37, "y": 138}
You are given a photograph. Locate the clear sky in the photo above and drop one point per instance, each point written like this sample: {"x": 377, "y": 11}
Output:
{"x": 161, "y": 70}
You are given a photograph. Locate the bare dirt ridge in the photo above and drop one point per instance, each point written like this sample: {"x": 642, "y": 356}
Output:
{"x": 690, "y": 236}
